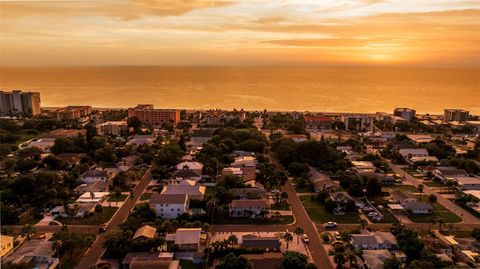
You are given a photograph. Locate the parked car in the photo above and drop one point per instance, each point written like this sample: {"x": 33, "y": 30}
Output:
{"x": 330, "y": 224}
{"x": 102, "y": 229}
{"x": 305, "y": 238}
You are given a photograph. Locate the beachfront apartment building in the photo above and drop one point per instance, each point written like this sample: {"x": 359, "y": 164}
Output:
{"x": 16, "y": 103}
{"x": 459, "y": 115}
{"x": 146, "y": 113}
{"x": 407, "y": 114}
{"x": 358, "y": 122}
{"x": 70, "y": 112}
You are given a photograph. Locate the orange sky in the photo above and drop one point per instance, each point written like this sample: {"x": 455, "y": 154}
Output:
{"x": 231, "y": 32}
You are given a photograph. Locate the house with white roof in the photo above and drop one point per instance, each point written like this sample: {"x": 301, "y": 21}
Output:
{"x": 91, "y": 176}
{"x": 138, "y": 140}
{"x": 187, "y": 243}
{"x": 169, "y": 206}
{"x": 410, "y": 152}
{"x": 374, "y": 259}
{"x": 194, "y": 191}
{"x": 92, "y": 197}
{"x": 145, "y": 231}
{"x": 376, "y": 240}
{"x": 251, "y": 208}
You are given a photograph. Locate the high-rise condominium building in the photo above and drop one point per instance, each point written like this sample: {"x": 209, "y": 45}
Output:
{"x": 405, "y": 113}
{"x": 148, "y": 114}
{"x": 18, "y": 103}
{"x": 455, "y": 115}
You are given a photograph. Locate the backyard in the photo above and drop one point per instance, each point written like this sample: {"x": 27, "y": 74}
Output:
{"x": 319, "y": 214}
{"x": 94, "y": 219}
{"x": 439, "y": 212}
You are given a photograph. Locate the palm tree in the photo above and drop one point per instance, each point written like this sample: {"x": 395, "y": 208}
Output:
{"x": 339, "y": 259}
{"x": 441, "y": 222}
{"x": 420, "y": 190}
{"x": 288, "y": 238}
{"x": 232, "y": 240}
{"x": 98, "y": 210}
{"x": 351, "y": 258}
{"x": 432, "y": 198}
{"x": 27, "y": 230}
{"x": 298, "y": 231}
{"x": 277, "y": 215}
{"x": 92, "y": 195}
{"x": 363, "y": 223}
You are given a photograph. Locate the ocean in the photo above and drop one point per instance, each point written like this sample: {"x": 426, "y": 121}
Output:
{"x": 331, "y": 89}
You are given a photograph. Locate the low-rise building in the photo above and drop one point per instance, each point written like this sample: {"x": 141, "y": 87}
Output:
{"x": 194, "y": 191}
{"x": 375, "y": 240}
{"x": 410, "y": 152}
{"x": 169, "y": 206}
{"x": 148, "y": 260}
{"x": 145, "y": 231}
{"x": 407, "y": 114}
{"x": 253, "y": 208}
{"x": 36, "y": 253}
{"x": 363, "y": 167}
{"x": 187, "y": 243}
{"x": 468, "y": 183}
{"x": 70, "y": 112}
{"x": 297, "y": 138}
{"x": 91, "y": 176}
{"x": 358, "y": 122}
{"x": 112, "y": 128}
{"x": 6, "y": 244}
{"x": 268, "y": 243}
{"x": 419, "y": 207}
{"x": 374, "y": 259}
{"x": 138, "y": 140}
{"x": 447, "y": 173}
{"x": 403, "y": 197}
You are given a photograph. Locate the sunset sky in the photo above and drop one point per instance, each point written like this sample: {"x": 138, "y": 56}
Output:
{"x": 231, "y": 32}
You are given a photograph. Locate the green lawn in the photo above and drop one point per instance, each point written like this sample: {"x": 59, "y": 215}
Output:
{"x": 185, "y": 264}
{"x": 145, "y": 196}
{"x": 303, "y": 189}
{"x": 402, "y": 187}
{"x": 120, "y": 198}
{"x": 439, "y": 211}
{"x": 91, "y": 220}
{"x": 458, "y": 233}
{"x": 280, "y": 207}
{"x": 434, "y": 184}
{"x": 413, "y": 172}
{"x": 319, "y": 214}
{"x": 248, "y": 221}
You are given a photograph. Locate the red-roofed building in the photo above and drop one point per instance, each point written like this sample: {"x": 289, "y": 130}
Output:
{"x": 318, "y": 120}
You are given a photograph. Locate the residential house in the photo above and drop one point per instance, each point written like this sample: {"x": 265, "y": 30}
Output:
{"x": 187, "y": 174}
{"x": 195, "y": 166}
{"x": 91, "y": 176}
{"x": 374, "y": 240}
{"x": 297, "y": 138}
{"x": 58, "y": 211}
{"x": 418, "y": 207}
{"x": 194, "y": 191}
{"x": 187, "y": 243}
{"x": 6, "y": 244}
{"x": 148, "y": 260}
{"x": 268, "y": 243}
{"x": 468, "y": 183}
{"x": 247, "y": 193}
{"x": 138, "y": 140}
{"x": 144, "y": 232}
{"x": 37, "y": 253}
{"x": 44, "y": 144}
{"x": 403, "y": 197}
{"x": 169, "y": 206}
{"x": 408, "y": 153}
{"x": 96, "y": 186}
{"x": 438, "y": 246}
{"x": 447, "y": 173}
{"x": 363, "y": 167}
{"x": 92, "y": 197}
{"x": 248, "y": 166}
{"x": 420, "y": 138}
{"x": 374, "y": 259}
{"x": 253, "y": 208}
{"x": 73, "y": 159}
{"x": 236, "y": 171}
{"x": 417, "y": 160}
{"x": 267, "y": 260}
{"x": 200, "y": 137}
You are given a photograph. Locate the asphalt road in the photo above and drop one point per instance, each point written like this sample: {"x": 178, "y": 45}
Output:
{"x": 96, "y": 250}
{"x": 315, "y": 246}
